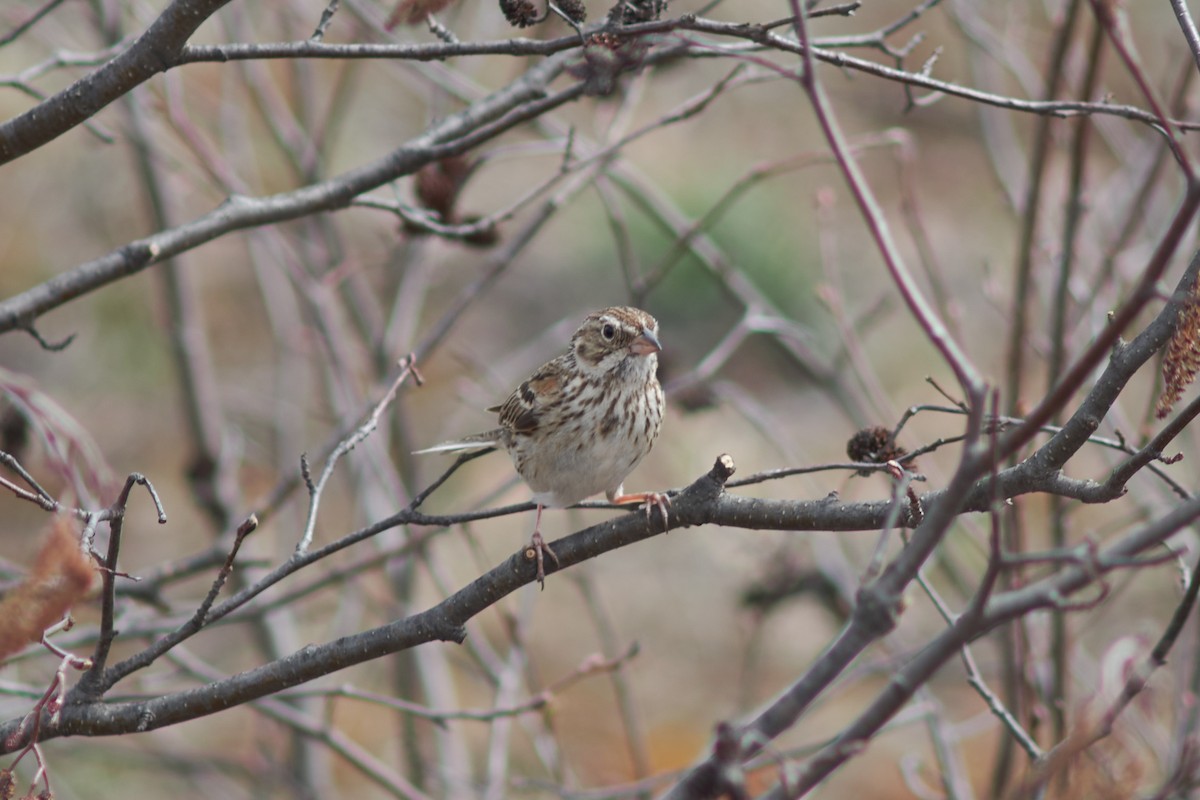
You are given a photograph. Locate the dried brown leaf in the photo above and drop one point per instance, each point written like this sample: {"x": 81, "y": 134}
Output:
{"x": 1182, "y": 360}
{"x": 61, "y": 576}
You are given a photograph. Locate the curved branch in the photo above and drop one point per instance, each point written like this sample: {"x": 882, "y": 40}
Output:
{"x": 518, "y": 102}
{"x": 153, "y": 52}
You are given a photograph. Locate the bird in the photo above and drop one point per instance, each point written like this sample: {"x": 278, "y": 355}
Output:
{"x": 582, "y": 421}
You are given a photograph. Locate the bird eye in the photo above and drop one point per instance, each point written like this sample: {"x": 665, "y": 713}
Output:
{"x": 608, "y": 331}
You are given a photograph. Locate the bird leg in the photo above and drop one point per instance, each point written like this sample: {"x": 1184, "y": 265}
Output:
{"x": 538, "y": 547}
{"x": 653, "y": 500}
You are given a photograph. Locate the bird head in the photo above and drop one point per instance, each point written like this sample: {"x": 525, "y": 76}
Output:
{"x": 617, "y": 339}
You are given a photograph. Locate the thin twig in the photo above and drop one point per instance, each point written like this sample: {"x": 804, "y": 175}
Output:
{"x": 365, "y": 428}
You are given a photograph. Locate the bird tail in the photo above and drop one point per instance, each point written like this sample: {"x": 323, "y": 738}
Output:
{"x": 476, "y": 442}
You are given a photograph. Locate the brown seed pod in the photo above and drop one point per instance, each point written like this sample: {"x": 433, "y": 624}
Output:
{"x": 874, "y": 445}
{"x": 520, "y": 13}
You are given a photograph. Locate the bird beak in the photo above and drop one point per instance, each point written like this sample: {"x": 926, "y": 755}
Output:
{"x": 645, "y": 344}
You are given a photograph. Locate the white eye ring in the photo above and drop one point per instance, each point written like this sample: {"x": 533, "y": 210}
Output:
{"x": 608, "y": 331}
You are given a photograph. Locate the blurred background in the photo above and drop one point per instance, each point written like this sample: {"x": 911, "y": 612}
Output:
{"x": 783, "y": 335}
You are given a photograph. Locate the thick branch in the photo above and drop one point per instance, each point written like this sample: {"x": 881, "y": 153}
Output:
{"x": 443, "y": 622}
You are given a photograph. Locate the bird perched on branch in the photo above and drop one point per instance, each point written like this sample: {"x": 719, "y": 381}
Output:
{"x": 581, "y": 422}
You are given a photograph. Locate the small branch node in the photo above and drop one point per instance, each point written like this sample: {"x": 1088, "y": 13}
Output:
{"x": 306, "y": 474}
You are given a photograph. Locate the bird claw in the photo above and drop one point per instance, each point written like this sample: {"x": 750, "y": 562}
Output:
{"x": 650, "y": 501}
{"x": 537, "y": 547}
{"x": 657, "y": 500}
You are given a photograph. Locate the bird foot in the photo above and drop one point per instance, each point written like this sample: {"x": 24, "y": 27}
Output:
{"x": 652, "y": 501}
{"x": 536, "y": 549}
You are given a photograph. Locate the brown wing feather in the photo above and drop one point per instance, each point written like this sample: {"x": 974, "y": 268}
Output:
{"x": 522, "y": 411}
